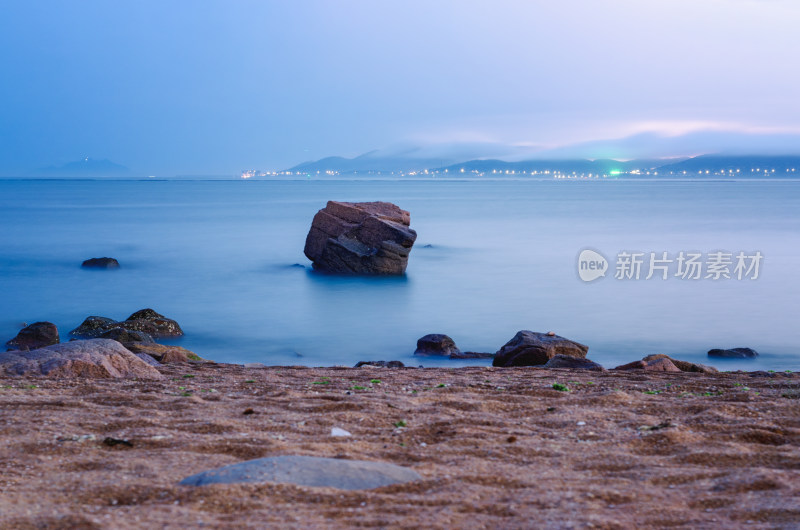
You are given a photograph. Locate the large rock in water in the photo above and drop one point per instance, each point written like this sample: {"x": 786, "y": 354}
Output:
{"x": 95, "y": 358}
{"x": 37, "y": 335}
{"x": 360, "y": 238}
{"x": 529, "y": 348}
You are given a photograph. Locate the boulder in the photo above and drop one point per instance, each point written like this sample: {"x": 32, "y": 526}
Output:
{"x": 37, "y": 335}
{"x": 152, "y": 323}
{"x": 92, "y": 358}
{"x": 733, "y": 353}
{"x": 163, "y": 354}
{"x": 683, "y": 366}
{"x": 126, "y": 336}
{"x": 307, "y": 471}
{"x": 573, "y": 363}
{"x": 93, "y": 327}
{"x": 360, "y": 238}
{"x": 529, "y": 348}
{"x": 145, "y": 321}
{"x": 381, "y": 364}
{"x": 100, "y": 263}
{"x": 437, "y": 344}
{"x": 661, "y": 364}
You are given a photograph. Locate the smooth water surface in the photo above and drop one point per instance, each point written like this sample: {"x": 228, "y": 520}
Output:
{"x": 492, "y": 257}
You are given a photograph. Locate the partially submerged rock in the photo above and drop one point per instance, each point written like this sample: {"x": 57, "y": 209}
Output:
{"x": 93, "y": 326}
{"x": 93, "y": 358}
{"x": 574, "y": 363}
{"x": 529, "y": 348}
{"x": 100, "y": 263}
{"x": 152, "y": 323}
{"x": 308, "y": 471}
{"x": 733, "y": 353}
{"x": 125, "y": 336}
{"x": 146, "y": 321}
{"x": 437, "y": 344}
{"x": 37, "y": 335}
{"x": 360, "y": 238}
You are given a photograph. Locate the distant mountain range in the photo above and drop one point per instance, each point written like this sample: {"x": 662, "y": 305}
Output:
{"x": 743, "y": 166}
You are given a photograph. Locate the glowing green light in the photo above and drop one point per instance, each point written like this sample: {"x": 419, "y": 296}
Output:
{"x": 614, "y": 172}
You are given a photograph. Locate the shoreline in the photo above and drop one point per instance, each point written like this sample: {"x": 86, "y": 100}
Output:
{"x": 496, "y": 447}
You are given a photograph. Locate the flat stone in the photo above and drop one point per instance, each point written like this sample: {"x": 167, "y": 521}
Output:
{"x": 307, "y": 471}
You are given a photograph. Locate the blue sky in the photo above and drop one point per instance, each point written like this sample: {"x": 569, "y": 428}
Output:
{"x": 213, "y": 87}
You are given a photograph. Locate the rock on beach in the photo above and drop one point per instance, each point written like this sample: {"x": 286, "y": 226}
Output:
{"x": 529, "y": 348}
{"x": 93, "y": 358}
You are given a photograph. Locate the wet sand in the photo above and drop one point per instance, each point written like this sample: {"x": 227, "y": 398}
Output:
{"x": 498, "y": 448}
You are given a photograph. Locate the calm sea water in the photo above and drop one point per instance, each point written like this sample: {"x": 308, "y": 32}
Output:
{"x": 492, "y": 258}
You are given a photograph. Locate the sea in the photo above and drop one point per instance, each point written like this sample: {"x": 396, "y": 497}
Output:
{"x": 225, "y": 259}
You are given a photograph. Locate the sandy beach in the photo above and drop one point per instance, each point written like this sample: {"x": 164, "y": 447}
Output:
{"x": 496, "y": 447}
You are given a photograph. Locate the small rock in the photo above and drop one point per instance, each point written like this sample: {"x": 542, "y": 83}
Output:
{"x": 381, "y": 364}
{"x": 77, "y": 438}
{"x": 733, "y": 353}
{"x": 37, "y": 335}
{"x": 574, "y": 363}
{"x": 683, "y": 366}
{"x": 336, "y": 431}
{"x": 656, "y": 365}
{"x": 437, "y": 344}
{"x": 100, "y": 263}
{"x": 163, "y": 354}
{"x": 111, "y": 442}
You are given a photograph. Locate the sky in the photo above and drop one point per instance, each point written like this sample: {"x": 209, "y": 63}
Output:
{"x": 215, "y": 87}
